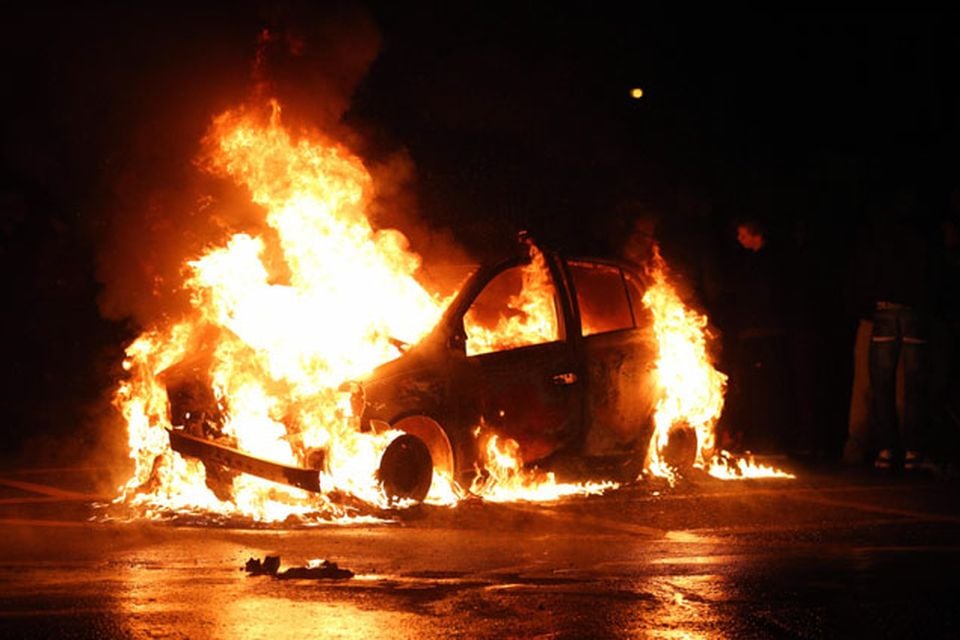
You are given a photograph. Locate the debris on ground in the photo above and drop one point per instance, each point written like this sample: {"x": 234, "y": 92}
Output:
{"x": 268, "y": 567}
{"x": 315, "y": 570}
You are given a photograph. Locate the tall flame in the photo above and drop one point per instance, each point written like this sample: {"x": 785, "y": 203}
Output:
{"x": 280, "y": 317}
{"x": 281, "y": 338}
{"x": 690, "y": 388}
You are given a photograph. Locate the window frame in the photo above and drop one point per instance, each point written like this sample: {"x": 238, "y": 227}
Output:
{"x": 561, "y": 305}
{"x": 569, "y": 264}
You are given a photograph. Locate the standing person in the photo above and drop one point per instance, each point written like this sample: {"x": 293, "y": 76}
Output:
{"x": 753, "y": 315}
{"x": 899, "y": 282}
{"x": 808, "y": 310}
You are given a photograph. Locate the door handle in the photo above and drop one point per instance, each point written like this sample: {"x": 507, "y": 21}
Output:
{"x": 564, "y": 378}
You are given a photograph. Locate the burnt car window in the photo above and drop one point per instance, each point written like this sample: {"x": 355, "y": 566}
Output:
{"x": 517, "y": 308}
{"x": 602, "y": 298}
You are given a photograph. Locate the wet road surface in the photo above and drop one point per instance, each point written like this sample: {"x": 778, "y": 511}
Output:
{"x": 831, "y": 554}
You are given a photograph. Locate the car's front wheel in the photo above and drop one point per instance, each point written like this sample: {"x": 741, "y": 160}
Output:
{"x": 406, "y": 469}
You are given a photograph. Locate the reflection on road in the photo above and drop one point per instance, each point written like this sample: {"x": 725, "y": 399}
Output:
{"x": 225, "y": 603}
{"x": 827, "y": 557}
{"x": 687, "y": 606}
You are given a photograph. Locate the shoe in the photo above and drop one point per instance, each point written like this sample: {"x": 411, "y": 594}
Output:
{"x": 884, "y": 460}
{"x": 912, "y": 461}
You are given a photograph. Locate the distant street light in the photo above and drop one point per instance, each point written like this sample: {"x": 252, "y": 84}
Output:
{"x": 636, "y": 93}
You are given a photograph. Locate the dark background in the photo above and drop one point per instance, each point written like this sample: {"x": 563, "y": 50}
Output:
{"x": 499, "y": 116}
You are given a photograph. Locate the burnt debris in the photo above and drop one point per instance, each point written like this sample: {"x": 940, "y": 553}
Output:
{"x": 315, "y": 570}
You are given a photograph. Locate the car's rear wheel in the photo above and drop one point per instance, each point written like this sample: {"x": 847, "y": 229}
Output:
{"x": 680, "y": 451}
{"x": 406, "y": 469}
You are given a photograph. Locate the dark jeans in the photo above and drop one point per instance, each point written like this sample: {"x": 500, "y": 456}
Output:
{"x": 898, "y": 332}
{"x": 761, "y": 408}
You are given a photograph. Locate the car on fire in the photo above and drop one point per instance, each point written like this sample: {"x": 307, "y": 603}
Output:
{"x": 554, "y": 352}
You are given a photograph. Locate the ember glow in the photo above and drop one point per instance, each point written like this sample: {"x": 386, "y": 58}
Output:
{"x": 691, "y": 389}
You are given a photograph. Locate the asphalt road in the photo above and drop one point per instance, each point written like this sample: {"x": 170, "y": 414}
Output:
{"x": 831, "y": 554}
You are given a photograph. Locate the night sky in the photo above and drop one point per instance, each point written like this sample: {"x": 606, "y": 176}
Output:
{"x": 501, "y": 116}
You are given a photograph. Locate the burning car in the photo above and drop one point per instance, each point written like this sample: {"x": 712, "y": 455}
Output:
{"x": 554, "y": 353}
{"x": 571, "y": 377}
{"x": 539, "y": 361}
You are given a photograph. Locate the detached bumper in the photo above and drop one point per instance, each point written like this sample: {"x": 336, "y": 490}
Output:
{"x": 209, "y": 451}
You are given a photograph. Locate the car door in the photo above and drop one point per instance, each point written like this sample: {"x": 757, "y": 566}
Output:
{"x": 520, "y": 376}
{"x": 619, "y": 356}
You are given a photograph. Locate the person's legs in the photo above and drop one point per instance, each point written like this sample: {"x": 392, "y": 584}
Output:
{"x": 754, "y": 395}
{"x": 803, "y": 435}
{"x": 884, "y": 351}
{"x": 914, "y": 383}
{"x": 766, "y": 410}
{"x": 730, "y": 428}
{"x": 858, "y": 422}
{"x": 782, "y": 412}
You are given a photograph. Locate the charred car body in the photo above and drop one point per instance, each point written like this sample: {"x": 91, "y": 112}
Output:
{"x": 553, "y": 352}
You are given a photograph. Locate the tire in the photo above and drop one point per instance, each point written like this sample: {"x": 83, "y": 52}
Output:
{"x": 681, "y": 449}
{"x": 406, "y": 469}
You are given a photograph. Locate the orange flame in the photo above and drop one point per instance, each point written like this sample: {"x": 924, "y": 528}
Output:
{"x": 503, "y": 477}
{"x": 280, "y": 318}
{"x": 280, "y": 340}
{"x": 533, "y": 318}
{"x": 691, "y": 389}
{"x": 729, "y": 467}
